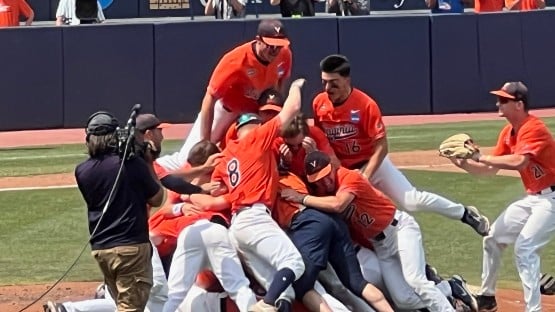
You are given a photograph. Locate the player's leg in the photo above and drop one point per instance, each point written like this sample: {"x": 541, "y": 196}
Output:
{"x": 225, "y": 264}
{"x": 93, "y": 305}
{"x": 413, "y": 263}
{"x": 396, "y": 186}
{"x": 188, "y": 259}
{"x": 222, "y": 120}
{"x": 536, "y": 233}
{"x": 335, "y": 304}
{"x": 199, "y": 299}
{"x": 504, "y": 231}
{"x": 257, "y": 237}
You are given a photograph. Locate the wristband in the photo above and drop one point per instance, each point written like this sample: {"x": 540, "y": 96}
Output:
{"x": 176, "y": 210}
{"x": 304, "y": 199}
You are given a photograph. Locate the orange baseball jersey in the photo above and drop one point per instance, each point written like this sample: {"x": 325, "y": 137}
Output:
{"x": 18, "y": 8}
{"x": 351, "y": 128}
{"x": 299, "y": 154}
{"x": 239, "y": 78}
{"x": 488, "y": 5}
{"x": 284, "y": 210}
{"x": 370, "y": 212}
{"x": 160, "y": 171}
{"x": 533, "y": 139}
{"x": 528, "y": 5}
{"x": 249, "y": 167}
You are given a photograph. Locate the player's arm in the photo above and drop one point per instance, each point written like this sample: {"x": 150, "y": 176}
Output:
{"x": 26, "y": 11}
{"x": 208, "y": 202}
{"x": 292, "y": 105}
{"x": 238, "y": 6}
{"x": 508, "y": 162}
{"x": 380, "y": 150}
{"x": 331, "y": 204}
{"x": 207, "y": 115}
{"x": 540, "y": 4}
{"x": 209, "y": 7}
{"x": 474, "y": 168}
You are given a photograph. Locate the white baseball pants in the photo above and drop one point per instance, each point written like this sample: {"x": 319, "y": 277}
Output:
{"x": 222, "y": 121}
{"x": 264, "y": 247}
{"x": 396, "y": 186}
{"x": 205, "y": 245}
{"x": 529, "y": 223}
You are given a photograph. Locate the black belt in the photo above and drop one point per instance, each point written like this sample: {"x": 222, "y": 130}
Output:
{"x": 381, "y": 236}
{"x": 546, "y": 190}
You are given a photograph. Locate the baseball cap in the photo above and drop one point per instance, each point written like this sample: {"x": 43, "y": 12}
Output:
{"x": 149, "y": 121}
{"x": 512, "y": 90}
{"x": 101, "y": 123}
{"x": 272, "y": 32}
{"x": 271, "y": 100}
{"x": 247, "y": 119}
{"x": 317, "y": 165}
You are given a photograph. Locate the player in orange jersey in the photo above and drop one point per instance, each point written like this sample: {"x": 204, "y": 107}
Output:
{"x": 299, "y": 139}
{"x": 525, "y": 145}
{"x": 322, "y": 237}
{"x": 374, "y": 222}
{"x": 353, "y": 124}
{"x": 249, "y": 171}
{"x": 236, "y": 85}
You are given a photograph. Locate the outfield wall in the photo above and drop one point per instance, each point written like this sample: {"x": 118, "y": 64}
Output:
{"x": 56, "y": 77}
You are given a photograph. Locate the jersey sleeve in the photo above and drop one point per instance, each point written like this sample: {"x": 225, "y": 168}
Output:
{"x": 350, "y": 183}
{"x": 223, "y": 76}
{"x": 501, "y": 148}
{"x": 266, "y": 134}
{"x": 532, "y": 140}
{"x": 374, "y": 125}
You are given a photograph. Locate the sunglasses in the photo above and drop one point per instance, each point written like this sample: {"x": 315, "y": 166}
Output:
{"x": 503, "y": 100}
{"x": 270, "y": 47}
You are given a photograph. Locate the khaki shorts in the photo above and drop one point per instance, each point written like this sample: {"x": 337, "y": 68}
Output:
{"x": 127, "y": 272}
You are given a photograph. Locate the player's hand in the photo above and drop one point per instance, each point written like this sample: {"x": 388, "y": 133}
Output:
{"x": 190, "y": 210}
{"x": 150, "y": 151}
{"x": 210, "y": 186}
{"x": 285, "y": 153}
{"x": 212, "y": 161}
{"x": 298, "y": 83}
{"x": 220, "y": 190}
{"x": 292, "y": 195}
{"x": 309, "y": 144}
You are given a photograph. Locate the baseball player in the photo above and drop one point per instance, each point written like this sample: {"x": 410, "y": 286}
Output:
{"x": 373, "y": 222}
{"x": 249, "y": 171}
{"x": 236, "y": 84}
{"x": 525, "y": 145}
{"x": 320, "y": 238}
{"x": 353, "y": 124}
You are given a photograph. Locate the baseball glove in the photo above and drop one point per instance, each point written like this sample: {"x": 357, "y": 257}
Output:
{"x": 458, "y": 146}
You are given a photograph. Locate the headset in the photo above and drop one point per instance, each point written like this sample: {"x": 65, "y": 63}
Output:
{"x": 101, "y": 123}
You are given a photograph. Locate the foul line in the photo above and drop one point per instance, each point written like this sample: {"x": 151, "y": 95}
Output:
{"x": 42, "y": 156}
{"x": 31, "y": 188}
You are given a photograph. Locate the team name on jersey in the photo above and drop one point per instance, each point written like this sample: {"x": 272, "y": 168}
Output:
{"x": 340, "y": 132}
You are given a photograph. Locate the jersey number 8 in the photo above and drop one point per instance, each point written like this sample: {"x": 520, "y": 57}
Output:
{"x": 233, "y": 172}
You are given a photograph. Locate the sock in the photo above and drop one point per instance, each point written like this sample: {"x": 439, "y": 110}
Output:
{"x": 282, "y": 279}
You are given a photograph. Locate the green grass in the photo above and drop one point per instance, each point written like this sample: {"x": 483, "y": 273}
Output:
{"x": 42, "y": 232}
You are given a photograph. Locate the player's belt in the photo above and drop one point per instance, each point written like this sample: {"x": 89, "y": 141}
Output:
{"x": 381, "y": 236}
{"x": 547, "y": 190}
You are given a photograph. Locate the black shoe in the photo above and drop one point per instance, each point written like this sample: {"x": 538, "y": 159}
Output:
{"x": 486, "y": 303}
{"x": 547, "y": 285}
{"x": 51, "y": 306}
{"x": 432, "y": 275}
{"x": 458, "y": 305}
{"x": 460, "y": 291}
{"x": 476, "y": 220}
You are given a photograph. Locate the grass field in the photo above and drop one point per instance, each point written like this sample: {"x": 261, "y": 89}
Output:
{"x": 42, "y": 231}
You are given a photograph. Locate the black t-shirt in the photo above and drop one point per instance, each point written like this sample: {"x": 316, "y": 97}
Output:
{"x": 289, "y": 8}
{"x": 126, "y": 219}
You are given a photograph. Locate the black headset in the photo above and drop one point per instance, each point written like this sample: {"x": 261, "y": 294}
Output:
{"x": 101, "y": 123}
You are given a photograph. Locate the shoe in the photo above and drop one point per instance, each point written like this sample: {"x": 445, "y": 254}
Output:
{"x": 460, "y": 291}
{"x": 459, "y": 305}
{"x": 432, "y": 275}
{"x": 547, "y": 285}
{"x": 486, "y": 303}
{"x": 477, "y": 221}
{"x": 53, "y": 307}
{"x": 262, "y": 306}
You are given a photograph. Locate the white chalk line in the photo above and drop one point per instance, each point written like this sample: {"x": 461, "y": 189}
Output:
{"x": 35, "y": 188}
{"x": 31, "y": 157}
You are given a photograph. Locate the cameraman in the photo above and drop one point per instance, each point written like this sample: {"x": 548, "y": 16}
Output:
{"x": 120, "y": 244}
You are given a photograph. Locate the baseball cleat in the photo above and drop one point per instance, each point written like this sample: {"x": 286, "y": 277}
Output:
{"x": 486, "y": 303}
{"x": 547, "y": 285}
{"x": 432, "y": 275}
{"x": 262, "y": 306}
{"x": 459, "y": 305}
{"x": 51, "y": 306}
{"x": 476, "y": 220}
{"x": 460, "y": 291}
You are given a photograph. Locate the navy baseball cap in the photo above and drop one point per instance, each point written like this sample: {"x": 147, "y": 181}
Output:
{"x": 317, "y": 165}
{"x": 247, "y": 119}
{"x": 271, "y": 99}
{"x": 272, "y": 32}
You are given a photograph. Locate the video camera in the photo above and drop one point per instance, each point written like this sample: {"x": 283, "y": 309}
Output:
{"x": 127, "y": 146}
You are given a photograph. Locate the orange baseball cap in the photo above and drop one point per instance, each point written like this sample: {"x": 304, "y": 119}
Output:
{"x": 272, "y": 32}
{"x": 512, "y": 90}
{"x": 148, "y": 122}
{"x": 270, "y": 99}
{"x": 317, "y": 165}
